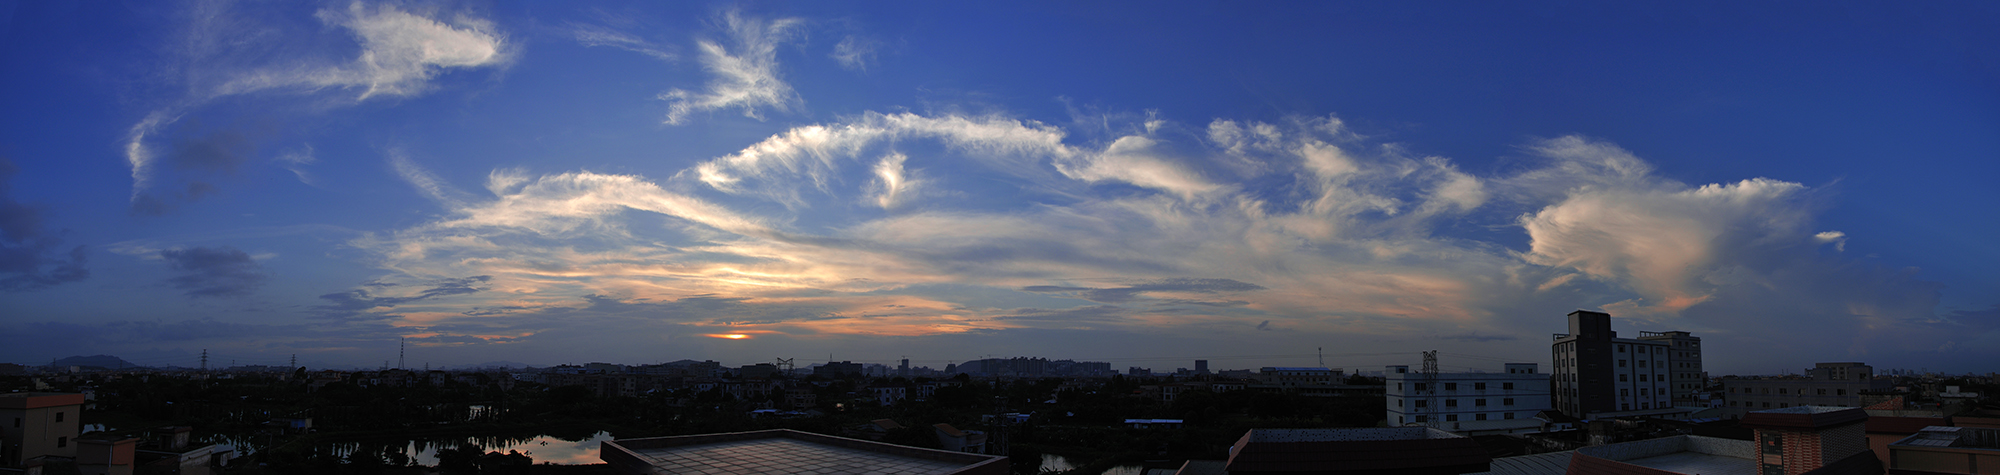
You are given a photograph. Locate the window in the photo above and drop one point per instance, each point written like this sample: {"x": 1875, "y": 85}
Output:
{"x": 17, "y": 422}
{"x": 1621, "y": 378}
{"x": 1773, "y": 469}
{"x": 1732, "y": 403}
{"x": 1621, "y": 363}
{"x": 1642, "y": 391}
{"x": 1450, "y": 417}
{"x": 1783, "y": 405}
{"x": 1642, "y": 363}
{"x": 1773, "y": 442}
{"x": 1479, "y": 386}
{"x": 1506, "y": 385}
{"x": 1642, "y": 378}
{"x": 1451, "y": 403}
{"x": 1420, "y": 386}
{"x": 1479, "y": 402}
{"x": 1767, "y": 405}
{"x": 1509, "y": 415}
{"x": 62, "y": 441}
{"x": 1645, "y": 405}
{"x": 1399, "y": 386}
{"x": 1822, "y": 392}
{"x": 1423, "y": 418}
{"x": 59, "y": 416}
{"x": 1625, "y": 406}
{"x": 1479, "y": 417}
{"x": 1507, "y": 402}
{"x": 1624, "y": 392}
{"x": 1781, "y": 390}
{"x": 1621, "y": 348}
{"x": 1451, "y": 386}
{"x": 1840, "y": 392}
{"x": 1422, "y": 403}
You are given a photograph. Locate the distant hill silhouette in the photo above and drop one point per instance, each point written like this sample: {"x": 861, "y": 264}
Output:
{"x": 101, "y": 361}
{"x": 493, "y": 364}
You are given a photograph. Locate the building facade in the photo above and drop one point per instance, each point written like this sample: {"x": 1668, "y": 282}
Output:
{"x": 1598, "y": 373}
{"x": 1826, "y": 384}
{"x": 1471, "y": 403}
{"x": 38, "y": 424}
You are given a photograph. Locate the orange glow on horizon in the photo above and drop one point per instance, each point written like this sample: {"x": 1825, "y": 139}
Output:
{"x": 729, "y": 336}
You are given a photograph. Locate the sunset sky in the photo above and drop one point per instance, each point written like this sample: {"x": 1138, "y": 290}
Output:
{"x": 1139, "y": 183}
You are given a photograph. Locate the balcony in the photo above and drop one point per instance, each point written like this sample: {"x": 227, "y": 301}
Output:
{"x": 1560, "y": 336}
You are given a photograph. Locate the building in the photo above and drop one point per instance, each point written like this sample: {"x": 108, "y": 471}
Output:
{"x": 838, "y": 369}
{"x": 1596, "y": 373}
{"x": 1200, "y": 366}
{"x": 38, "y": 425}
{"x": 1941, "y": 450}
{"x": 1468, "y": 403}
{"x": 1298, "y": 376}
{"x": 1793, "y": 441}
{"x": 1826, "y": 384}
{"x": 787, "y": 451}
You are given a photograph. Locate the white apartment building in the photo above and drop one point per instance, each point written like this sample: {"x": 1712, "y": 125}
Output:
{"x": 1469, "y": 403}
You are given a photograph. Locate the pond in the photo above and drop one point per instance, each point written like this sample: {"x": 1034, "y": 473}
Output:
{"x": 542, "y": 448}
{"x": 1057, "y": 463}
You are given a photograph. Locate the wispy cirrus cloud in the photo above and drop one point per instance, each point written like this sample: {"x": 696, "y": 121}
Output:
{"x": 745, "y": 69}
{"x": 1298, "y": 225}
{"x": 226, "y": 52}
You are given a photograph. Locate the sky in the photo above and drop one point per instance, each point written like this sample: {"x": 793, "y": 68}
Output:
{"x": 1273, "y": 184}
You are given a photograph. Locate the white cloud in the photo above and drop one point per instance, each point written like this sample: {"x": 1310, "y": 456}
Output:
{"x": 422, "y": 179}
{"x": 746, "y": 71}
{"x": 401, "y": 52}
{"x": 296, "y": 161}
{"x": 595, "y": 35}
{"x": 893, "y": 183}
{"x": 1839, "y": 239}
{"x": 854, "y": 53}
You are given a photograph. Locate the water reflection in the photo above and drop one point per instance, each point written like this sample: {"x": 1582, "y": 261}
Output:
{"x": 1058, "y": 463}
{"x": 543, "y": 448}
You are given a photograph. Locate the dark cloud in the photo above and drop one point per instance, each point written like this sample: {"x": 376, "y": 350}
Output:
{"x": 30, "y": 256}
{"x": 1476, "y": 337}
{"x": 1266, "y": 326}
{"x": 1091, "y": 313}
{"x": 214, "y": 272}
{"x": 358, "y": 304}
{"x": 1130, "y": 293}
{"x": 218, "y": 151}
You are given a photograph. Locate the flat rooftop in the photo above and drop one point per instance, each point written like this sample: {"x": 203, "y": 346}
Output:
{"x": 1696, "y": 462}
{"x": 787, "y": 451}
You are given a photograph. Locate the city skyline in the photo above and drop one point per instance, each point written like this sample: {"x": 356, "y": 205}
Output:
{"x": 1244, "y": 184}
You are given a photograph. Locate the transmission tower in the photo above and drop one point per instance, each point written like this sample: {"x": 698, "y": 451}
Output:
{"x": 785, "y": 366}
{"x": 204, "y": 359}
{"x": 295, "y": 360}
{"x": 1428, "y": 388}
{"x": 402, "y": 348}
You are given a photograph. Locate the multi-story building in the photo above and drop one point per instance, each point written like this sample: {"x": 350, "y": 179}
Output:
{"x": 1826, "y": 384}
{"x": 1686, "y": 376}
{"x": 1468, "y": 403}
{"x": 38, "y": 424}
{"x": 1598, "y": 373}
{"x": 1298, "y": 376}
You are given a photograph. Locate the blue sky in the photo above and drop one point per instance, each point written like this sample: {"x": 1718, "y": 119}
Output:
{"x": 571, "y": 182}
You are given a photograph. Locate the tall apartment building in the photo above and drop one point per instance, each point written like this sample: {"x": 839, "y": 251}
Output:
{"x": 1597, "y": 373}
{"x": 1468, "y": 403}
